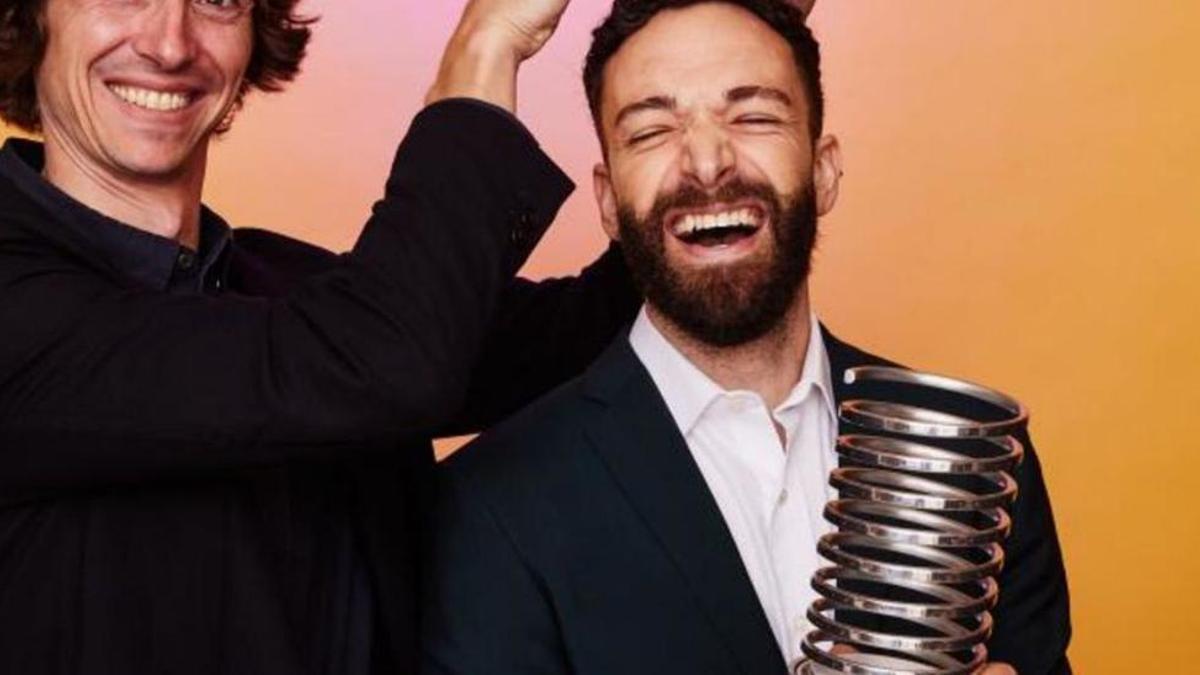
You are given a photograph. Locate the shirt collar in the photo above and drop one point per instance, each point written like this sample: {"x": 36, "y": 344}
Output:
{"x": 688, "y": 391}
{"x": 816, "y": 372}
{"x": 141, "y": 257}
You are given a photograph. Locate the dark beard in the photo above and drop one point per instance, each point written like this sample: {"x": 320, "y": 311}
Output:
{"x": 726, "y": 305}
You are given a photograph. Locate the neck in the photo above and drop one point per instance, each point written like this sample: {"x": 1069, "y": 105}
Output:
{"x": 168, "y": 206}
{"x": 770, "y": 365}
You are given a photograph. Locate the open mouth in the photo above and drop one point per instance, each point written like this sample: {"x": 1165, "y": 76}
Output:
{"x": 717, "y": 228}
{"x": 152, "y": 99}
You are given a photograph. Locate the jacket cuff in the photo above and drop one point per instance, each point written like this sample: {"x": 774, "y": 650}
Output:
{"x": 487, "y": 147}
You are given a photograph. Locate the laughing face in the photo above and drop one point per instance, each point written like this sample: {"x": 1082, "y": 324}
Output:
{"x": 712, "y": 181}
{"x": 722, "y": 303}
{"x": 135, "y": 88}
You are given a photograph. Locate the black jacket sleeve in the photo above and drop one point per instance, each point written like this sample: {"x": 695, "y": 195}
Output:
{"x": 100, "y": 382}
{"x": 545, "y": 333}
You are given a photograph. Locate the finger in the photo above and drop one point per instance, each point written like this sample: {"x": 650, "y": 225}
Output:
{"x": 998, "y": 669}
{"x": 840, "y": 648}
{"x": 803, "y": 5}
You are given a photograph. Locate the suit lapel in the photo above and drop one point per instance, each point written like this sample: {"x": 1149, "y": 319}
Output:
{"x": 636, "y": 437}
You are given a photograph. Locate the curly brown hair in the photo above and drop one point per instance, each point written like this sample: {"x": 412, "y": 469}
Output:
{"x": 281, "y": 35}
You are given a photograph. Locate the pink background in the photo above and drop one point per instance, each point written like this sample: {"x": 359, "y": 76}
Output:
{"x": 1020, "y": 207}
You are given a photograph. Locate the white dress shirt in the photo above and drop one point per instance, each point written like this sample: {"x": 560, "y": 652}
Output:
{"x": 771, "y": 493}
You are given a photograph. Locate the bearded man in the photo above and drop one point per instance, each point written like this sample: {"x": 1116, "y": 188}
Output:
{"x": 660, "y": 514}
{"x": 213, "y": 443}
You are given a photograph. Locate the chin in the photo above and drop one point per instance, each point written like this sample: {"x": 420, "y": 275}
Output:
{"x": 153, "y": 160}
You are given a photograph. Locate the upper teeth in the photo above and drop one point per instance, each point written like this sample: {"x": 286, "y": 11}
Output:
{"x": 698, "y": 222}
{"x": 149, "y": 98}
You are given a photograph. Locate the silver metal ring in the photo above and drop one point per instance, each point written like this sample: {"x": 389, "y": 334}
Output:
{"x": 939, "y": 424}
{"x": 928, "y": 528}
{"x": 951, "y": 635}
{"x": 900, "y": 489}
{"x": 946, "y": 602}
{"x": 949, "y": 566}
{"x": 857, "y": 663}
{"x": 905, "y": 455}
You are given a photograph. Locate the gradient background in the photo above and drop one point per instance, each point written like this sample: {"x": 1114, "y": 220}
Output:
{"x": 1020, "y": 207}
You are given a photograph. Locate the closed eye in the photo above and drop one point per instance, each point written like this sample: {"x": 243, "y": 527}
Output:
{"x": 757, "y": 120}
{"x": 647, "y": 134}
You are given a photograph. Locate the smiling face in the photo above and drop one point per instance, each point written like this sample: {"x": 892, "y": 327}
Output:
{"x": 133, "y": 89}
{"x": 712, "y": 180}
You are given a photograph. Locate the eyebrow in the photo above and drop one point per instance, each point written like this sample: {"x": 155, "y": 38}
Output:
{"x": 735, "y": 95}
{"x": 738, "y": 94}
{"x": 651, "y": 103}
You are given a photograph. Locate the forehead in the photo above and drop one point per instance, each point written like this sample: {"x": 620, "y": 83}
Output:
{"x": 696, "y": 54}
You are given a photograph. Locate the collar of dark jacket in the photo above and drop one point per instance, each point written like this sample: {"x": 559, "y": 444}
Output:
{"x": 137, "y": 256}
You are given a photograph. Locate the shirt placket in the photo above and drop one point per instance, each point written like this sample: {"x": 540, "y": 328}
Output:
{"x": 754, "y": 460}
{"x": 800, "y": 524}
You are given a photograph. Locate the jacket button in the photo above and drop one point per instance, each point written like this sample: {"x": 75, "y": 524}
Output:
{"x": 524, "y": 225}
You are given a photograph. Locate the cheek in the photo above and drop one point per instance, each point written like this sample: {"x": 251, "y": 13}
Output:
{"x": 61, "y": 72}
{"x": 80, "y": 47}
{"x": 644, "y": 178}
{"x": 231, "y": 49}
{"x": 782, "y": 162}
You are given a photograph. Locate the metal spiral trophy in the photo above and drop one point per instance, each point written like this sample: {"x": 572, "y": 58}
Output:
{"x": 920, "y": 517}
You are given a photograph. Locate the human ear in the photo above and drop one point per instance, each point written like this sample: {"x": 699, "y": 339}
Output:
{"x": 827, "y": 172}
{"x": 606, "y": 200}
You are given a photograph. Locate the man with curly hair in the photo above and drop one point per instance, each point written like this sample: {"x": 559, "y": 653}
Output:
{"x": 212, "y": 446}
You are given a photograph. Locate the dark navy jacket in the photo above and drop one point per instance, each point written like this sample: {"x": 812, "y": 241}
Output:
{"x": 581, "y": 538}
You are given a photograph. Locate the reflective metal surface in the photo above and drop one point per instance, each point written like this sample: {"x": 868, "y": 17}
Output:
{"x": 920, "y": 518}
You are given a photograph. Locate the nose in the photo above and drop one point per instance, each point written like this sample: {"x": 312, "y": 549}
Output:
{"x": 708, "y": 158}
{"x": 165, "y": 34}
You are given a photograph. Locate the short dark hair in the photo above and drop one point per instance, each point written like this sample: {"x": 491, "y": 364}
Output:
{"x": 280, "y": 38}
{"x": 630, "y": 16}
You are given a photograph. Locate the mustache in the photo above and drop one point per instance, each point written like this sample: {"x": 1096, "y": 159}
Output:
{"x": 693, "y": 197}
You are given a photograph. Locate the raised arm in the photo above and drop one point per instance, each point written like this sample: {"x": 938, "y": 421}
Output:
{"x": 121, "y": 384}
{"x": 381, "y": 345}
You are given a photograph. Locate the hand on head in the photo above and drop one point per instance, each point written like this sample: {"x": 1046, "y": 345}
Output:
{"x": 493, "y": 37}
{"x": 803, "y": 5}
{"x": 522, "y": 26}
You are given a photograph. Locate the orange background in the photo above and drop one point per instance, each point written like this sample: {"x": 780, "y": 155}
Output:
{"x": 1020, "y": 207}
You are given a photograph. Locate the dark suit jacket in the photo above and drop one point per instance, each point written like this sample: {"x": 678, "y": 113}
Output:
{"x": 580, "y": 537}
{"x": 228, "y": 479}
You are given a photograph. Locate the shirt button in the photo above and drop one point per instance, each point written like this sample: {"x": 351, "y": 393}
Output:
{"x": 783, "y": 497}
{"x": 186, "y": 260}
